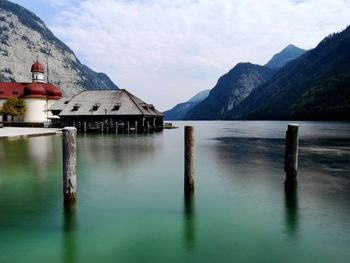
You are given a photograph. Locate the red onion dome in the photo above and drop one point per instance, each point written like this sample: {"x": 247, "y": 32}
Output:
{"x": 52, "y": 91}
{"x": 34, "y": 90}
{"x": 37, "y": 67}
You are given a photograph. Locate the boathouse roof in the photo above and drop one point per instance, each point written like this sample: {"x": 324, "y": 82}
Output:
{"x": 104, "y": 102}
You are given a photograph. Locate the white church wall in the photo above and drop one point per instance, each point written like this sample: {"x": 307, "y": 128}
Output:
{"x": 36, "y": 110}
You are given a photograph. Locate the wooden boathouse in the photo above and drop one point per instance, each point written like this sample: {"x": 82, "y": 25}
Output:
{"x": 107, "y": 111}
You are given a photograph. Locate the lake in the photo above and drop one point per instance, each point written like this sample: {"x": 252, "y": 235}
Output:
{"x": 131, "y": 206}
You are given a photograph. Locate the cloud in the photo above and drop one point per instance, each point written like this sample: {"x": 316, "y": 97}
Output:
{"x": 166, "y": 51}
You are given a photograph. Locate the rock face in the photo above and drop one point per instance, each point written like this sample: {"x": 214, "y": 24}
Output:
{"x": 237, "y": 84}
{"x": 289, "y": 53}
{"x": 316, "y": 86}
{"x": 24, "y": 36}
{"x": 180, "y": 110}
{"x": 230, "y": 90}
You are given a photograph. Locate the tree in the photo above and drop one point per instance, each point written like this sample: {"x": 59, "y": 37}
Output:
{"x": 14, "y": 107}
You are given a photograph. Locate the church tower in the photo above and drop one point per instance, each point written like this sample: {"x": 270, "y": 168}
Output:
{"x": 38, "y": 72}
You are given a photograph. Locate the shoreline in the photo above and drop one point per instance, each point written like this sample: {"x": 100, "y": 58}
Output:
{"x": 21, "y": 133}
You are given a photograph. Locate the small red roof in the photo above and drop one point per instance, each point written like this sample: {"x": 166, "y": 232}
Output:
{"x": 29, "y": 90}
{"x": 34, "y": 90}
{"x": 37, "y": 67}
{"x": 52, "y": 92}
{"x": 10, "y": 89}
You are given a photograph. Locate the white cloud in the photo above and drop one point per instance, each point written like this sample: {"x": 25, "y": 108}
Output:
{"x": 166, "y": 51}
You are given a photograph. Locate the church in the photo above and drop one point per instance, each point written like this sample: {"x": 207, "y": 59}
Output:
{"x": 37, "y": 95}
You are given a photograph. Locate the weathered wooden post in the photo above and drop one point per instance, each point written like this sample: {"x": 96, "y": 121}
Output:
{"x": 101, "y": 127}
{"x": 84, "y": 126}
{"x": 127, "y": 127}
{"x": 147, "y": 124}
{"x": 116, "y": 127}
{"x": 189, "y": 159}
{"x": 69, "y": 146}
{"x": 291, "y": 154}
{"x": 135, "y": 126}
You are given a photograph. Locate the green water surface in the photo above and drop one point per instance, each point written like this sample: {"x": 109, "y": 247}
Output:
{"x": 131, "y": 206}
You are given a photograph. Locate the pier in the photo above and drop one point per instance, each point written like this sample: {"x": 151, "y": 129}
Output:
{"x": 115, "y": 127}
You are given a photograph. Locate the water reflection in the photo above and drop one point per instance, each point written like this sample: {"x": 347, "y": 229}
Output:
{"x": 189, "y": 219}
{"x": 27, "y": 177}
{"x": 41, "y": 153}
{"x": 248, "y": 161}
{"x": 291, "y": 207}
{"x": 36, "y": 153}
{"x": 69, "y": 232}
{"x": 255, "y": 150}
{"x": 122, "y": 151}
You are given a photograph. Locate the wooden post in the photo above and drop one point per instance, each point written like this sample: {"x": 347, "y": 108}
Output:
{"x": 69, "y": 146}
{"x": 189, "y": 159}
{"x": 116, "y": 127}
{"x": 127, "y": 127}
{"x": 135, "y": 126}
{"x": 291, "y": 154}
{"x": 147, "y": 126}
{"x": 101, "y": 126}
{"x": 84, "y": 126}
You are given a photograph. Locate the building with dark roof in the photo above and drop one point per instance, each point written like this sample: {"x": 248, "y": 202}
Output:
{"x": 107, "y": 109}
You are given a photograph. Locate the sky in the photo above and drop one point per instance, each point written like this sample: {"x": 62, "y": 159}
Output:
{"x": 166, "y": 51}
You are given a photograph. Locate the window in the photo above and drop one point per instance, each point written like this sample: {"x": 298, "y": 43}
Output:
{"x": 76, "y": 107}
{"x": 96, "y": 106}
{"x": 116, "y": 106}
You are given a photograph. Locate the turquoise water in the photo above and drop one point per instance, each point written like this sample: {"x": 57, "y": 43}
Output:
{"x": 131, "y": 206}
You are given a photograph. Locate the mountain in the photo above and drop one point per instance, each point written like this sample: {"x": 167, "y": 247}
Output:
{"x": 289, "y": 53}
{"x": 230, "y": 90}
{"x": 23, "y": 36}
{"x": 200, "y": 96}
{"x": 180, "y": 110}
{"x": 314, "y": 86}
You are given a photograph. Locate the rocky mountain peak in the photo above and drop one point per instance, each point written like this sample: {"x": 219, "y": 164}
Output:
{"x": 289, "y": 53}
{"x": 24, "y": 36}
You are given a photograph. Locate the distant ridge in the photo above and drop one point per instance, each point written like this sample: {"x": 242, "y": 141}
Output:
{"x": 179, "y": 111}
{"x": 316, "y": 86}
{"x": 233, "y": 87}
{"x": 230, "y": 90}
{"x": 289, "y": 53}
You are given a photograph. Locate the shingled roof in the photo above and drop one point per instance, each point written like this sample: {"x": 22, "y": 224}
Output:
{"x": 104, "y": 102}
